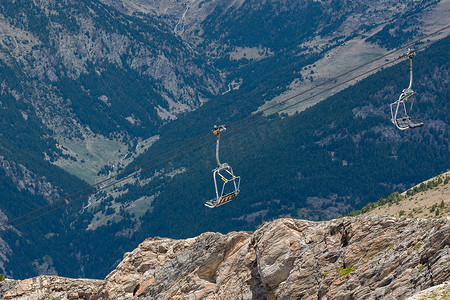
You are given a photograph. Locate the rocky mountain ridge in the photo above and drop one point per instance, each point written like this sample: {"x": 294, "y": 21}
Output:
{"x": 358, "y": 258}
{"x": 343, "y": 33}
{"x": 61, "y": 54}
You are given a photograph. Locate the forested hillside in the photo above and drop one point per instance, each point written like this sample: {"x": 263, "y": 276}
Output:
{"x": 81, "y": 86}
{"x": 337, "y": 155}
{"x": 88, "y": 90}
{"x": 334, "y": 157}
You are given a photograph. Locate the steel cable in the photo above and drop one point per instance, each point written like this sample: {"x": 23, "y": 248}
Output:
{"x": 210, "y": 141}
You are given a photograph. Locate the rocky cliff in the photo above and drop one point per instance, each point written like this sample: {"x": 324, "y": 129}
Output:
{"x": 349, "y": 258}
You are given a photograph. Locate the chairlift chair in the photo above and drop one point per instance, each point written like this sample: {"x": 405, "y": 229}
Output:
{"x": 399, "y": 115}
{"x": 230, "y": 186}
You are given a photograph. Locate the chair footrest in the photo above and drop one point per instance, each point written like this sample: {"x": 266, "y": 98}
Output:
{"x": 222, "y": 200}
{"x": 407, "y": 123}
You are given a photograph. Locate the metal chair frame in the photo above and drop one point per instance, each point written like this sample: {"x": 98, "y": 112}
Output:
{"x": 227, "y": 176}
{"x": 399, "y": 115}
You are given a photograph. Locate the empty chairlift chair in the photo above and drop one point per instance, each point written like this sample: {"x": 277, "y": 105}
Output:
{"x": 399, "y": 115}
{"x": 227, "y": 187}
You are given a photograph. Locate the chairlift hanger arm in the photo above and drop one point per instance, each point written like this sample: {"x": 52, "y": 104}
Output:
{"x": 399, "y": 115}
{"x": 410, "y": 54}
{"x": 410, "y": 72}
{"x": 216, "y": 131}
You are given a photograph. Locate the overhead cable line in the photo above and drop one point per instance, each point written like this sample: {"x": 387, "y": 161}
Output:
{"x": 211, "y": 141}
{"x": 107, "y": 186}
{"x": 321, "y": 92}
{"x": 104, "y": 181}
{"x": 339, "y": 76}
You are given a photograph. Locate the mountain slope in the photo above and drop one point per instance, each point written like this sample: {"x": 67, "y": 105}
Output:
{"x": 343, "y": 34}
{"x": 88, "y": 90}
{"x": 324, "y": 168}
{"x": 79, "y": 71}
{"x": 429, "y": 199}
{"x": 338, "y": 155}
{"x": 358, "y": 258}
{"x": 54, "y": 41}
{"x": 83, "y": 89}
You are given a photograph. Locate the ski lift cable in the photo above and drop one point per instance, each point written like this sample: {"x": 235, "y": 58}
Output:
{"x": 104, "y": 181}
{"x": 324, "y": 91}
{"x": 339, "y": 76}
{"x": 107, "y": 186}
{"x": 224, "y": 198}
{"x": 294, "y": 104}
{"x": 208, "y": 142}
{"x": 230, "y": 125}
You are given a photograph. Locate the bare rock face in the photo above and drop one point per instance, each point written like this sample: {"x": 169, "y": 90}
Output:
{"x": 53, "y": 287}
{"x": 349, "y": 258}
{"x": 25, "y": 179}
{"x": 7, "y": 285}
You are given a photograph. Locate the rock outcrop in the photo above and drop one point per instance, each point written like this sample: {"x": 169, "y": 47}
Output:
{"x": 348, "y": 258}
{"x": 441, "y": 291}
